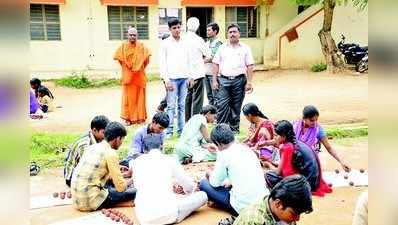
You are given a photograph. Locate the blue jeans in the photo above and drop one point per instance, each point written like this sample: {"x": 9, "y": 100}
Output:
{"x": 114, "y": 197}
{"x": 219, "y": 195}
{"x": 176, "y": 99}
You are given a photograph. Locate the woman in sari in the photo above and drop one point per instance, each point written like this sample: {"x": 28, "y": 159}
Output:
{"x": 310, "y": 132}
{"x": 261, "y": 133}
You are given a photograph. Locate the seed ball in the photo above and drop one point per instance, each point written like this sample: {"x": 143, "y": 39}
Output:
{"x": 103, "y": 211}
{"x": 351, "y": 183}
{"x": 62, "y": 195}
{"x": 69, "y": 195}
{"x": 361, "y": 170}
{"x": 330, "y": 185}
{"x": 113, "y": 216}
{"x": 345, "y": 176}
{"x": 107, "y": 214}
{"x": 55, "y": 194}
{"x": 117, "y": 219}
{"x": 337, "y": 171}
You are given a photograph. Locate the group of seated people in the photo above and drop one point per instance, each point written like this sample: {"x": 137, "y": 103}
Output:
{"x": 41, "y": 98}
{"x": 237, "y": 182}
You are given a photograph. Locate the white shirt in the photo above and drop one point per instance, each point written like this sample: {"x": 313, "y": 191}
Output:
{"x": 153, "y": 174}
{"x": 173, "y": 59}
{"x": 197, "y": 50}
{"x": 242, "y": 168}
{"x": 233, "y": 60}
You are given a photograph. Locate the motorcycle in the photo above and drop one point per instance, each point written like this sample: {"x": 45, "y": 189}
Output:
{"x": 354, "y": 54}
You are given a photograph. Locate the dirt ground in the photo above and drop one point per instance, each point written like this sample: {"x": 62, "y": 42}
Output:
{"x": 280, "y": 94}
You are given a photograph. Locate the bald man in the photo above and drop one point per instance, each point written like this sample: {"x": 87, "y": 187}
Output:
{"x": 198, "y": 52}
{"x": 133, "y": 57}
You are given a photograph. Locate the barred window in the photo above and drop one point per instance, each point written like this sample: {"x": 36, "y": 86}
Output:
{"x": 44, "y": 22}
{"x": 245, "y": 17}
{"x": 121, "y": 17}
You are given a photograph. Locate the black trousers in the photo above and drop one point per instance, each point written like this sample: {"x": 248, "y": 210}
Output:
{"x": 211, "y": 97}
{"x": 229, "y": 100}
{"x": 194, "y": 99}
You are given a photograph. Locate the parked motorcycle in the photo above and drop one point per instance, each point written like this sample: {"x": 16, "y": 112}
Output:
{"x": 354, "y": 54}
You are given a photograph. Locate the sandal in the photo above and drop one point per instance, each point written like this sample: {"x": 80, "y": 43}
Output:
{"x": 34, "y": 169}
{"x": 227, "y": 221}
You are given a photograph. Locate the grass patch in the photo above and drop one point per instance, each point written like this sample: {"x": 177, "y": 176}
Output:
{"x": 81, "y": 81}
{"x": 319, "y": 67}
{"x": 347, "y": 132}
{"x": 49, "y": 149}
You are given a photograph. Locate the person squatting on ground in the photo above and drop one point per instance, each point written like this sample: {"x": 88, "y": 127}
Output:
{"x": 193, "y": 144}
{"x": 97, "y": 181}
{"x": 157, "y": 176}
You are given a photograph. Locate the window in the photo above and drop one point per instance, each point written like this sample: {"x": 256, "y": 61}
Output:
{"x": 245, "y": 17}
{"x": 121, "y": 17}
{"x": 166, "y": 14}
{"x": 44, "y": 22}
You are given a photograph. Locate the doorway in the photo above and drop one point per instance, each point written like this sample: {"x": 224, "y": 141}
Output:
{"x": 205, "y": 16}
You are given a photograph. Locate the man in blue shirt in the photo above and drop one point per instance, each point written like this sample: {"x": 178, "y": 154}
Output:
{"x": 160, "y": 121}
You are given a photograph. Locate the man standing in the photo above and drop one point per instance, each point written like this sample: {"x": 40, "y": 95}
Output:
{"x": 213, "y": 44}
{"x": 197, "y": 52}
{"x": 174, "y": 70}
{"x": 234, "y": 61}
{"x": 133, "y": 56}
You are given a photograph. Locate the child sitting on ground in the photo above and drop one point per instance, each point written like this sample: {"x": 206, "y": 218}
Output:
{"x": 35, "y": 83}
{"x": 45, "y": 99}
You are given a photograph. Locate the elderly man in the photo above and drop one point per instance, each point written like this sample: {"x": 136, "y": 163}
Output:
{"x": 133, "y": 57}
{"x": 197, "y": 52}
{"x": 234, "y": 62}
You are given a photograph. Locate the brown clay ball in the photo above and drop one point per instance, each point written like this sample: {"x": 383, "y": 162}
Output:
{"x": 351, "y": 183}
{"x": 117, "y": 219}
{"x": 62, "y": 195}
{"x": 69, "y": 195}
{"x": 113, "y": 216}
{"x": 103, "y": 211}
{"x": 337, "y": 171}
{"x": 361, "y": 170}
{"x": 345, "y": 176}
{"x": 55, "y": 194}
{"x": 107, "y": 214}
{"x": 330, "y": 185}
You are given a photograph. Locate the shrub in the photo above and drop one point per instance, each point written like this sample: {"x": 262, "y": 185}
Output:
{"x": 319, "y": 67}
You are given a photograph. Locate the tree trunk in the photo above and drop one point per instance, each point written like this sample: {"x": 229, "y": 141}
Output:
{"x": 334, "y": 61}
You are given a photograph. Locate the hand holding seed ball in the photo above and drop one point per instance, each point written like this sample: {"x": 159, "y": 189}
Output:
{"x": 178, "y": 189}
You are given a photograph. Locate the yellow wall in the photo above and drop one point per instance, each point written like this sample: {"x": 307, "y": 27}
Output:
{"x": 85, "y": 45}
{"x": 280, "y": 13}
{"x": 306, "y": 51}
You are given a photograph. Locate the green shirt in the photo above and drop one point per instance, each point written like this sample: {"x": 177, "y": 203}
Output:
{"x": 258, "y": 213}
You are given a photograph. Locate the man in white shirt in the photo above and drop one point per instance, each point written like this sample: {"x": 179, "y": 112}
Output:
{"x": 213, "y": 43}
{"x": 234, "y": 63}
{"x": 156, "y": 175}
{"x": 197, "y": 53}
{"x": 237, "y": 179}
{"x": 174, "y": 70}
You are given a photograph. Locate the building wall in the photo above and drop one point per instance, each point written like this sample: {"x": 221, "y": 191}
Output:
{"x": 306, "y": 50}
{"x": 281, "y": 13}
{"x": 85, "y": 45}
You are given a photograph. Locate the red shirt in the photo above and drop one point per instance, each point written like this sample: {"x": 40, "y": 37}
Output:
{"x": 286, "y": 152}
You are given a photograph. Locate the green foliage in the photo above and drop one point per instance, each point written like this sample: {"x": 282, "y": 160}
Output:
{"x": 361, "y": 4}
{"x": 347, "y": 132}
{"x": 81, "y": 80}
{"x": 319, "y": 67}
{"x": 48, "y": 150}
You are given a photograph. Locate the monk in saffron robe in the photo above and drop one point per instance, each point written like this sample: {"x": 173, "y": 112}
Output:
{"x": 133, "y": 56}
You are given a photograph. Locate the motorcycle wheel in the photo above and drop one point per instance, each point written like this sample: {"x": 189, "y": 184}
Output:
{"x": 362, "y": 66}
